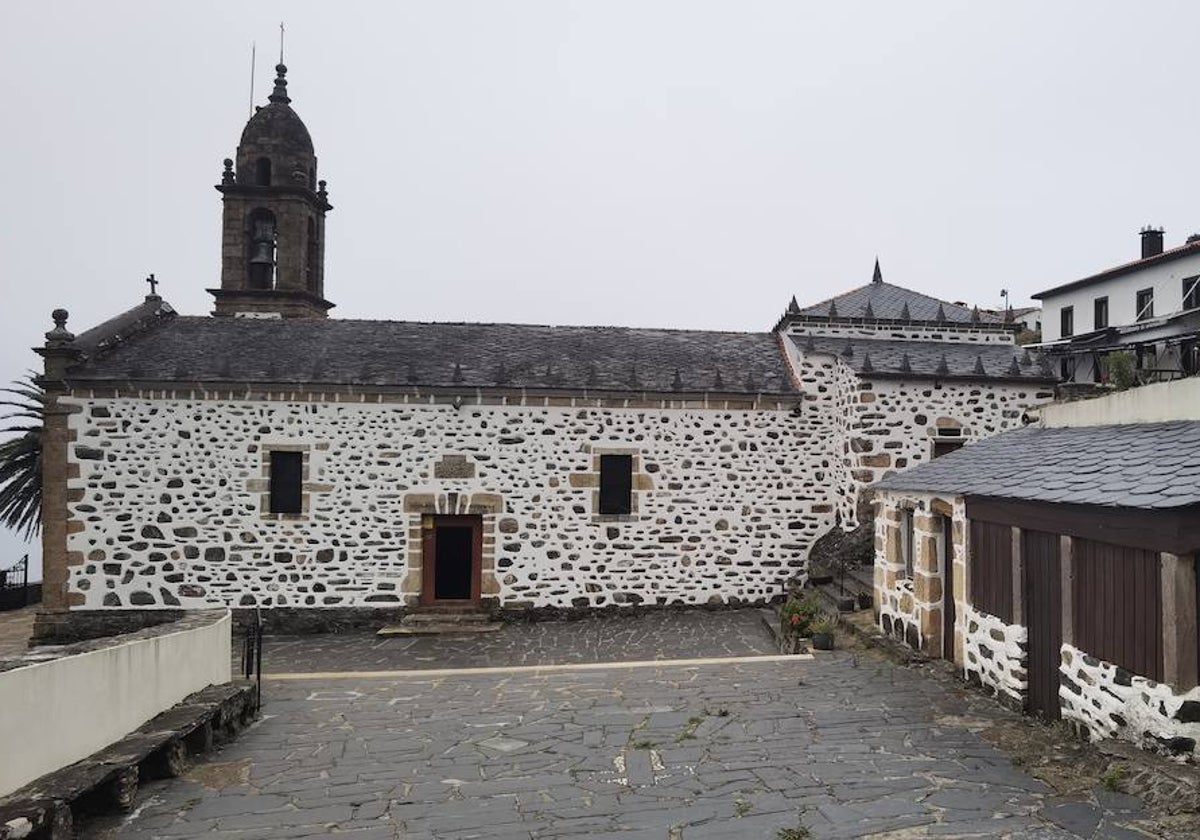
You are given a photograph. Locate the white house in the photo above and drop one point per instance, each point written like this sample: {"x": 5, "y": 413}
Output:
{"x": 1150, "y": 306}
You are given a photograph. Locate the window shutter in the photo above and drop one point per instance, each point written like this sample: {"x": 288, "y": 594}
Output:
{"x": 287, "y": 476}
{"x": 616, "y": 484}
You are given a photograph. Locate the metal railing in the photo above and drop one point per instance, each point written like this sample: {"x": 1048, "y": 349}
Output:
{"x": 252, "y": 651}
{"x": 14, "y": 585}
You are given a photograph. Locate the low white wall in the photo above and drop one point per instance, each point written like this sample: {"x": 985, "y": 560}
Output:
{"x": 56, "y": 712}
{"x": 1161, "y": 402}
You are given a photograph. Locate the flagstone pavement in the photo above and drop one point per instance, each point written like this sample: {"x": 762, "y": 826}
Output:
{"x": 845, "y": 744}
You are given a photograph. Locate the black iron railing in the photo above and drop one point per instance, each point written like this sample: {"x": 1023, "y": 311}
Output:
{"x": 14, "y": 585}
{"x": 252, "y": 651}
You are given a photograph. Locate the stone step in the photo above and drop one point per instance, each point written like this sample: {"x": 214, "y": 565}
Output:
{"x": 437, "y": 628}
{"x": 437, "y": 616}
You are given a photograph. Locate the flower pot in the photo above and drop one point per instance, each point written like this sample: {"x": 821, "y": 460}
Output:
{"x": 845, "y": 604}
{"x": 822, "y": 641}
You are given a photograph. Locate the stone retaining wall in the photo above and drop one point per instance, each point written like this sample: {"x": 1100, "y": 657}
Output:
{"x": 62, "y": 704}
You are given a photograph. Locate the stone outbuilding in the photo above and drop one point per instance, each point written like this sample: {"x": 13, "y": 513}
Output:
{"x": 269, "y": 456}
{"x": 1056, "y": 564}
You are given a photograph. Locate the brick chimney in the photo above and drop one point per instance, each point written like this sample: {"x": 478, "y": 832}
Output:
{"x": 1152, "y": 241}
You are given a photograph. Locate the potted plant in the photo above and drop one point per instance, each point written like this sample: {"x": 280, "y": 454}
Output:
{"x": 795, "y": 619}
{"x": 822, "y": 628}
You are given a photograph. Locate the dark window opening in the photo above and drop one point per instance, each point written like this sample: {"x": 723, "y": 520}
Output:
{"x": 261, "y": 246}
{"x": 262, "y": 172}
{"x": 945, "y": 447}
{"x": 310, "y": 266}
{"x": 1066, "y": 368}
{"x": 1145, "y": 304}
{"x": 1067, "y": 321}
{"x": 907, "y": 543}
{"x": 287, "y": 479}
{"x": 616, "y": 484}
{"x": 1100, "y": 308}
{"x": 1191, "y": 292}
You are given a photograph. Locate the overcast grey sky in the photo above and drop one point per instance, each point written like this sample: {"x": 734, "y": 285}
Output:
{"x": 648, "y": 163}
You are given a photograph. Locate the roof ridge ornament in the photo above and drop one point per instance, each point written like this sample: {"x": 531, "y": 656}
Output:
{"x": 867, "y": 367}
{"x": 905, "y": 315}
{"x": 677, "y": 382}
{"x": 975, "y": 314}
{"x": 942, "y": 369}
{"x": 1026, "y": 358}
{"x": 978, "y": 370}
{"x": 940, "y": 315}
{"x": 793, "y": 307}
{"x": 1014, "y": 369}
{"x": 833, "y": 313}
{"x": 457, "y": 376}
{"x": 905, "y": 365}
{"x": 877, "y": 276}
{"x": 280, "y": 95}
{"x": 869, "y": 312}
{"x": 810, "y": 344}
{"x": 848, "y": 350}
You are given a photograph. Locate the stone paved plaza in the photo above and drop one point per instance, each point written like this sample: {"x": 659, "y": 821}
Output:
{"x": 842, "y": 745}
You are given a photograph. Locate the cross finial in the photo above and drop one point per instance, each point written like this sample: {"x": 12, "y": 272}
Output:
{"x": 281, "y": 42}
{"x": 153, "y": 286}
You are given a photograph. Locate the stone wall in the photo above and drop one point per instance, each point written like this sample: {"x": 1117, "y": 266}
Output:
{"x": 911, "y": 609}
{"x": 167, "y": 507}
{"x": 1107, "y": 701}
{"x": 995, "y": 655}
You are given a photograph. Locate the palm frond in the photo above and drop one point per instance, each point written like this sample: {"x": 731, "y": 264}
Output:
{"x": 21, "y": 458}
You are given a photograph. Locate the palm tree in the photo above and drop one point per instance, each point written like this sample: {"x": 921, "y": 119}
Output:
{"x": 21, "y": 457}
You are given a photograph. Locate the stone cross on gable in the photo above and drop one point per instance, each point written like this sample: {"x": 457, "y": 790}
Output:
{"x": 153, "y": 285}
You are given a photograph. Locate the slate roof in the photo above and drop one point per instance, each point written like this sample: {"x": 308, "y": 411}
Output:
{"x": 906, "y": 359}
{"x": 888, "y": 302}
{"x": 1170, "y": 255}
{"x": 406, "y": 353}
{"x": 1145, "y": 465}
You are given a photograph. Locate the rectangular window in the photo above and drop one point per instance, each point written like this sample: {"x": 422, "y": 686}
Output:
{"x": 1066, "y": 318}
{"x": 1145, "y": 304}
{"x": 942, "y": 446}
{"x": 907, "y": 540}
{"x": 616, "y": 484}
{"x": 1191, "y": 292}
{"x": 1100, "y": 308}
{"x": 991, "y": 558}
{"x": 1066, "y": 368}
{"x": 287, "y": 479}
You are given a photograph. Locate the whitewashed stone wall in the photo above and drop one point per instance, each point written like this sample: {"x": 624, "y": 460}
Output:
{"x": 995, "y": 654}
{"x": 167, "y": 508}
{"x": 1109, "y": 702}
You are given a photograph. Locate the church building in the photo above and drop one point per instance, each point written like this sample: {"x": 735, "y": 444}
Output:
{"x": 268, "y": 455}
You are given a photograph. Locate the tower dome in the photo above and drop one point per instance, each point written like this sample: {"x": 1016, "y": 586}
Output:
{"x": 276, "y": 148}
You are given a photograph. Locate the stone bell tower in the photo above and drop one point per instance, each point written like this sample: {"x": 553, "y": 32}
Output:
{"x": 273, "y": 233}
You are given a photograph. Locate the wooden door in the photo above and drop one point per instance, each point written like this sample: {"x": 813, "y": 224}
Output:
{"x": 1043, "y": 617}
{"x": 948, "y": 604}
{"x": 451, "y": 560}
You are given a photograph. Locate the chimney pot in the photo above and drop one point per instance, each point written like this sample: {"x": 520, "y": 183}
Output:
{"x": 1152, "y": 241}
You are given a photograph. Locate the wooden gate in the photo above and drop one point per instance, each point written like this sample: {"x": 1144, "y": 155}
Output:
{"x": 1043, "y": 618}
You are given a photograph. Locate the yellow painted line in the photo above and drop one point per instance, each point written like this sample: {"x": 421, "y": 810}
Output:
{"x": 433, "y": 673}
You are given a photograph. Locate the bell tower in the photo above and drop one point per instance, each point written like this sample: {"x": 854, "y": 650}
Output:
{"x": 273, "y": 230}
